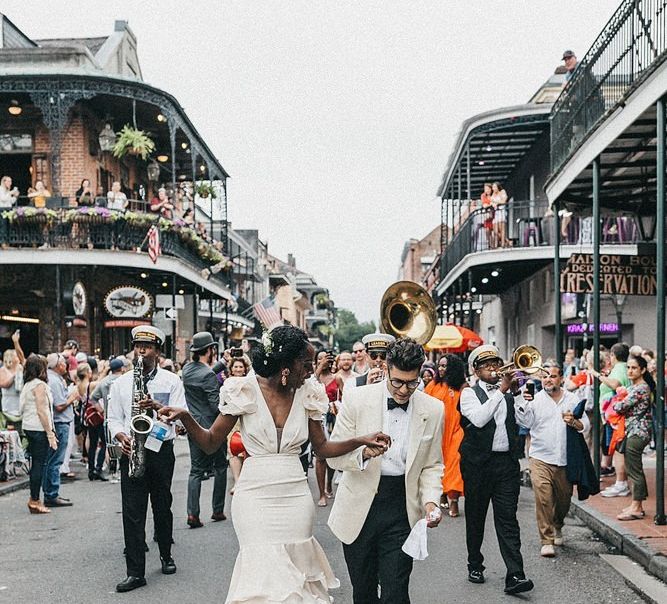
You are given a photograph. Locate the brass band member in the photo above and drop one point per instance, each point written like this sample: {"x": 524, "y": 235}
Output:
{"x": 376, "y": 345}
{"x": 153, "y": 479}
{"x": 490, "y": 466}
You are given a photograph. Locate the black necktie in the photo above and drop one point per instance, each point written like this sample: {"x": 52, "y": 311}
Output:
{"x": 392, "y": 404}
{"x": 490, "y": 387}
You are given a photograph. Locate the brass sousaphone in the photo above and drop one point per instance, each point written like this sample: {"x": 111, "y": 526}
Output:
{"x": 408, "y": 311}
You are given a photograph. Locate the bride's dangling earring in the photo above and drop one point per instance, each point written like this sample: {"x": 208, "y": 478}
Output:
{"x": 283, "y": 379}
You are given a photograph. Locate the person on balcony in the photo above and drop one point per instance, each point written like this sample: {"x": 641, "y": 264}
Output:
{"x": 8, "y": 195}
{"x": 499, "y": 199}
{"x": 39, "y": 194}
{"x": 162, "y": 205}
{"x": 116, "y": 199}
{"x": 84, "y": 195}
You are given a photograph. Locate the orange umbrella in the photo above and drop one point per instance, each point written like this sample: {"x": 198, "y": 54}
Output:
{"x": 453, "y": 338}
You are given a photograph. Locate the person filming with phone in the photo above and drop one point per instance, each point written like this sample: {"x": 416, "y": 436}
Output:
{"x": 547, "y": 414}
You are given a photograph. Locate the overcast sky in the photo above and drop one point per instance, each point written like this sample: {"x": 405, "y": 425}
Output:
{"x": 335, "y": 119}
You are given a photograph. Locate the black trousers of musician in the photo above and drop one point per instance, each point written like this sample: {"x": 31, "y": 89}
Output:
{"x": 496, "y": 482}
{"x": 375, "y": 557}
{"x": 156, "y": 484}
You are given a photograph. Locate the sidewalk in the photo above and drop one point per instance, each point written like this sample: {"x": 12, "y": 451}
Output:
{"x": 641, "y": 540}
{"x": 14, "y": 485}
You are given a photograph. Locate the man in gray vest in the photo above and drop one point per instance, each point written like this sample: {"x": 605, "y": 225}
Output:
{"x": 202, "y": 393}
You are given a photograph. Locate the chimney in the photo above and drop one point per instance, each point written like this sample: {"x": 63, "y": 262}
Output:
{"x": 120, "y": 25}
{"x": 291, "y": 261}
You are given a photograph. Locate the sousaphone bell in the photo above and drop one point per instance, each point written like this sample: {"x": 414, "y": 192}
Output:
{"x": 408, "y": 311}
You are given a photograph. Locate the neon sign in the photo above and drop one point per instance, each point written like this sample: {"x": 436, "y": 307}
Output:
{"x": 580, "y": 328}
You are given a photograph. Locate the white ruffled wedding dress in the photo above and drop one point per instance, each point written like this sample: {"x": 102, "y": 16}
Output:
{"x": 272, "y": 508}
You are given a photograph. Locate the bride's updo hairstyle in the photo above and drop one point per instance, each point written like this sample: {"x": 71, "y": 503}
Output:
{"x": 279, "y": 348}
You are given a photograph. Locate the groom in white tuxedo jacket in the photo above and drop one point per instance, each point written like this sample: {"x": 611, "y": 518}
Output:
{"x": 382, "y": 496}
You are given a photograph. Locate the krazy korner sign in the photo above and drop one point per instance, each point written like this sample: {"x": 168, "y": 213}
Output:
{"x": 629, "y": 275}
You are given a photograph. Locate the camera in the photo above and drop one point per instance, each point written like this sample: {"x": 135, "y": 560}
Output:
{"x": 530, "y": 388}
{"x": 236, "y": 352}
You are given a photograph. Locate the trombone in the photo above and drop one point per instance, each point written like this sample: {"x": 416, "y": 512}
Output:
{"x": 526, "y": 359}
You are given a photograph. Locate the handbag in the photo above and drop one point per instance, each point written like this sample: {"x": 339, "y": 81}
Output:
{"x": 92, "y": 417}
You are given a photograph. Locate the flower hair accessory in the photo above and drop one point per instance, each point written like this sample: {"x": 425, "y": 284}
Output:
{"x": 267, "y": 342}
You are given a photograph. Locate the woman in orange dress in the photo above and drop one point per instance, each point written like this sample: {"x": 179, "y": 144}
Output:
{"x": 447, "y": 387}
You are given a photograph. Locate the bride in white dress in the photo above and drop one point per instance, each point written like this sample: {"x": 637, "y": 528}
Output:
{"x": 279, "y": 560}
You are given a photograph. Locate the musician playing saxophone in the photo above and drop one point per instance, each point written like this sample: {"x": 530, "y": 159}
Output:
{"x": 158, "y": 388}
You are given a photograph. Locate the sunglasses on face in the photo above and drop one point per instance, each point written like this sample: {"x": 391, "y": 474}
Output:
{"x": 378, "y": 355}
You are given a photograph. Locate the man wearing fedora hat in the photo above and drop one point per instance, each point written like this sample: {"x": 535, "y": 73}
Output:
{"x": 163, "y": 388}
{"x": 490, "y": 466}
{"x": 202, "y": 391}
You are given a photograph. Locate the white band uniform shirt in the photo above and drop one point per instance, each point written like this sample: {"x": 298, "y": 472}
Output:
{"x": 548, "y": 432}
{"x": 165, "y": 388}
{"x": 480, "y": 414}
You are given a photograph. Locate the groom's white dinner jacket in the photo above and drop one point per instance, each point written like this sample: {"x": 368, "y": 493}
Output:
{"x": 363, "y": 413}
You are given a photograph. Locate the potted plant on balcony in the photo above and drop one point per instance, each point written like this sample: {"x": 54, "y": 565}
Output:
{"x": 134, "y": 142}
{"x": 321, "y": 301}
{"x": 205, "y": 190}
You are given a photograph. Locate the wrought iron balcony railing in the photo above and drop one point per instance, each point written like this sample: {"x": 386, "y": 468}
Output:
{"x": 530, "y": 224}
{"x": 630, "y": 47}
{"x": 97, "y": 228}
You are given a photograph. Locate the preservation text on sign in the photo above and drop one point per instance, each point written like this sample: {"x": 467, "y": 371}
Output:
{"x": 629, "y": 275}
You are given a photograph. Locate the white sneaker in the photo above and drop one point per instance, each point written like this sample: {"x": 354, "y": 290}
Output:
{"x": 616, "y": 490}
{"x": 547, "y": 551}
{"x": 558, "y": 537}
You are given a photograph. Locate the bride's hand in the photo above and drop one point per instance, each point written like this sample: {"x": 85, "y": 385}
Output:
{"x": 376, "y": 440}
{"x": 172, "y": 414}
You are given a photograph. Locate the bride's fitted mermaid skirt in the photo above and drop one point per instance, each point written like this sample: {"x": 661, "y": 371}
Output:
{"x": 279, "y": 559}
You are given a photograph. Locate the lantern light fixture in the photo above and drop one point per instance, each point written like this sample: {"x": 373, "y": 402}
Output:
{"x": 14, "y": 107}
{"x": 162, "y": 158}
{"x": 107, "y": 138}
{"x": 153, "y": 171}
{"x": 161, "y": 118}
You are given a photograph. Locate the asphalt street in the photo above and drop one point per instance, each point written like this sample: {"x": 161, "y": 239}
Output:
{"x": 74, "y": 555}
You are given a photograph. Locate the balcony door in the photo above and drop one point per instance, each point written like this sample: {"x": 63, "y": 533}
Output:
{"x": 18, "y": 166}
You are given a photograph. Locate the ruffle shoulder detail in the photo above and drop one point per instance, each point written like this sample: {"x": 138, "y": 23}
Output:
{"x": 238, "y": 396}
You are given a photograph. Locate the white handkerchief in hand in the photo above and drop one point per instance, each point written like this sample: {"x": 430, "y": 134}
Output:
{"x": 415, "y": 544}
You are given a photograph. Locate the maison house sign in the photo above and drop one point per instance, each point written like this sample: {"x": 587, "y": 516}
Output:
{"x": 128, "y": 302}
{"x": 629, "y": 275}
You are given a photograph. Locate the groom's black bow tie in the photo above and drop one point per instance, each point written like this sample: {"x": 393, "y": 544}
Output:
{"x": 392, "y": 404}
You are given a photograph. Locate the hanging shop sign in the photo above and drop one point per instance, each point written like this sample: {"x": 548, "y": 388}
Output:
{"x": 128, "y": 302}
{"x": 628, "y": 275}
{"x": 75, "y": 300}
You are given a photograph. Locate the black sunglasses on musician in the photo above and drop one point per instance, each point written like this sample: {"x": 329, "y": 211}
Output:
{"x": 377, "y": 355}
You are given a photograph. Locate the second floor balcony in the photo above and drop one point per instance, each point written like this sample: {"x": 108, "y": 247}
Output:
{"x": 474, "y": 252}
{"x": 98, "y": 235}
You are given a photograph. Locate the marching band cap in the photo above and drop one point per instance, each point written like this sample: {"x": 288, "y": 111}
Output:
{"x": 148, "y": 333}
{"x": 377, "y": 341}
{"x": 201, "y": 341}
{"x": 483, "y": 353}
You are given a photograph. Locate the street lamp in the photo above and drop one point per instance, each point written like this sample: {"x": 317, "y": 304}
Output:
{"x": 107, "y": 138}
{"x": 647, "y": 224}
{"x": 153, "y": 170}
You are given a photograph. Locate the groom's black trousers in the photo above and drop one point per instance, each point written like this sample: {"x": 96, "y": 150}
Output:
{"x": 375, "y": 557}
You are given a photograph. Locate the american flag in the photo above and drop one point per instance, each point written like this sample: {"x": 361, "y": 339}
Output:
{"x": 267, "y": 313}
{"x": 154, "y": 243}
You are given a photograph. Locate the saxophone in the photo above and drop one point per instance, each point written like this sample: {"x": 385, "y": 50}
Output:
{"x": 141, "y": 423}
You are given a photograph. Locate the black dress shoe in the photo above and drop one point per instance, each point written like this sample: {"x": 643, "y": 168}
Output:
{"x": 58, "y": 502}
{"x": 518, "y": 584}
{"x": 476, "y": 576}
{"x": 168, "y": 566}
{"x": 130, "y": 583}
{"x": 100, "y": 476}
